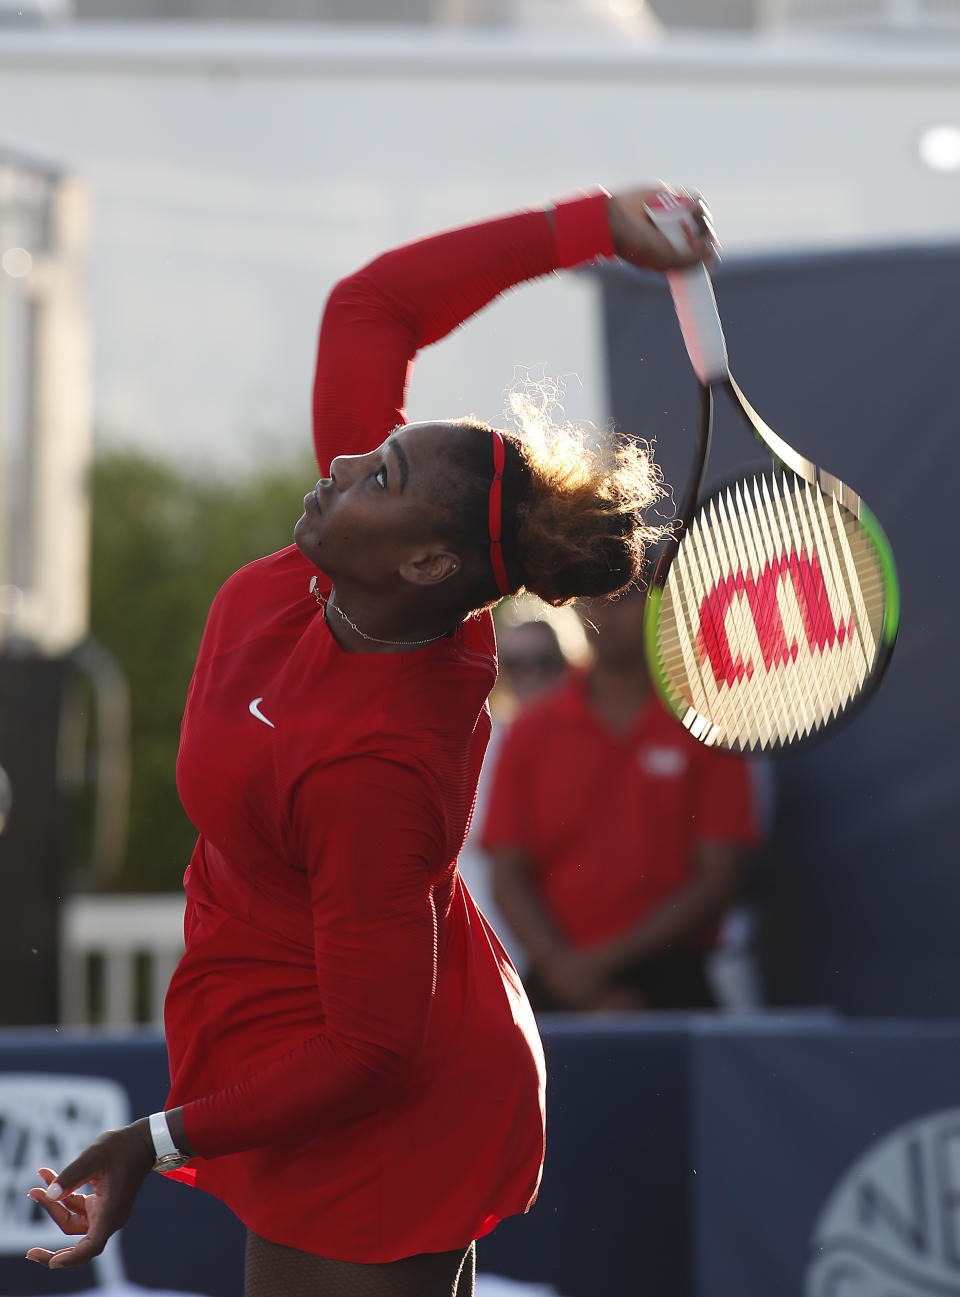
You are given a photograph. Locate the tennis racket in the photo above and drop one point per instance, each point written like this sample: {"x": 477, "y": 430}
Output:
{"x": 774, "y": 608}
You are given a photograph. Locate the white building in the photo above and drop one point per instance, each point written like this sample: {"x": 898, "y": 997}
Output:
{"x": 45, "y": 405}
{"x": 237, "y": 170}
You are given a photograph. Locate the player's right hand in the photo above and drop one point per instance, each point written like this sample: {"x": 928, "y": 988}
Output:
{"x": 638, "y": 240}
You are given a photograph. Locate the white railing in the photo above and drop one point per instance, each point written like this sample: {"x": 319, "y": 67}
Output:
{"x": 117, "y": 955}
{"x": 896, "y": 14}
{"x": 137, "y": 940}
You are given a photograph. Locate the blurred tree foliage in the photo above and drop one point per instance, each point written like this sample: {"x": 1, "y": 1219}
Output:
{"x": 163, "y": 542}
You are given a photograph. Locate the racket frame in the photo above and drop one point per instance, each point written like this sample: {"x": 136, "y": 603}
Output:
{"x": 699, "y": 319}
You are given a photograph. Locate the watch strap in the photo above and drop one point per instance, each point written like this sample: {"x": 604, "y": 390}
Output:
{"x": 163, "y": 1144}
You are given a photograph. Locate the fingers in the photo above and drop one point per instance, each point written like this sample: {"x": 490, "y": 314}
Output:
{"x": 701, "y": 234}
{"x": 78, "y": 1173}
{"x": 704, "y": 218}
{"x": 69, "y": 1216}
{"x": 620, "y": 999}
{"x": 41, "y": 1255}
{"x": 68, "y": 1213}
{"x": 50, "y": 1178}
{"x": 696, "y": 232}
{"x": 690, "y": 229}
{"x": 80, "y": 1254}
{"x": 70, "y": 1222}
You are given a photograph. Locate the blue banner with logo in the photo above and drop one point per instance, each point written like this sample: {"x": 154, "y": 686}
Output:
{"x": 793, "y": 1155}
{"x": 825, "y": 1163}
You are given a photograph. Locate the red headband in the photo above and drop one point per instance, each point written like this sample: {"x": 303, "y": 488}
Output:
{"x": 496, "y": 515}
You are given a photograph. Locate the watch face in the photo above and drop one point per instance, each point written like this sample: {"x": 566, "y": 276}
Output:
{"x": 170, "y": 1162}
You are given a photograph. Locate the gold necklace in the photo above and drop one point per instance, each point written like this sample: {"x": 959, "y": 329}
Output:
{"x": 324, "y": 602}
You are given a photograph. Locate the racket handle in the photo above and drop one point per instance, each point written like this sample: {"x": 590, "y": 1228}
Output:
{"x": 692, "y": 290}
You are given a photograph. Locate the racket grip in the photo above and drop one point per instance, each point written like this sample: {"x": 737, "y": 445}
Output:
{"x": 691, "y": 290}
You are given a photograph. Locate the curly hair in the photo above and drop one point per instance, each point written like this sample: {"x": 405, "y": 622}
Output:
{"x": 575, "y": 499}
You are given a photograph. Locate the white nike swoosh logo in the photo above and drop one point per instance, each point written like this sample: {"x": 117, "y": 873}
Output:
{"x": 255, "y": 711}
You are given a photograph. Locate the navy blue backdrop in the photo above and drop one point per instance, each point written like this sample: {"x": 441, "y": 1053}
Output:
{"x": 792, "y": 1155}
{"x": 851, "y": 357}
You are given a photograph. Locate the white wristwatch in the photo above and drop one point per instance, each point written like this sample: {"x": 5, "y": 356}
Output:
{"x": 169, "y": 1157}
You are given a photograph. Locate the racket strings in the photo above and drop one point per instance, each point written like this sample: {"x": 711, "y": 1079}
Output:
{"x": 812, "y": 609}
{"x": 777, "y": 627}
{"x": 841, "y": 588}
{"x": 771, "y": 614}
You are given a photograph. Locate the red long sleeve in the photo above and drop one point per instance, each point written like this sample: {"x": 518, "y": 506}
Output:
{"x": 375, "y": 953}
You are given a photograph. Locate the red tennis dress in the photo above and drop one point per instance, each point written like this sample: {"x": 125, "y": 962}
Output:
{"x": 360, "y": 1072}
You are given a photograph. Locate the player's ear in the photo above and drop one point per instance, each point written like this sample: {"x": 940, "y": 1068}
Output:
{"x": 430, "y": 567}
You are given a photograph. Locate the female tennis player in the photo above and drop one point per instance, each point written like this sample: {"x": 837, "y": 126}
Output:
{"x": 355, "y": 1069}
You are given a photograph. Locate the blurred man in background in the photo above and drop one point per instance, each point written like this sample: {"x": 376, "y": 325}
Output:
{"x": 530, "y": 659}
{"x": 531, "y": 662}
{"x": 615, "y": 839}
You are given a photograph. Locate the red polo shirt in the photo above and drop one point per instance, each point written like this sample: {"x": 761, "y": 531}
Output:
{"x": 611, "y": 819}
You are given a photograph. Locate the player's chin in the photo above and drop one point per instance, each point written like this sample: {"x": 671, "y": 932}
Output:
{"x": 306, "y": 534}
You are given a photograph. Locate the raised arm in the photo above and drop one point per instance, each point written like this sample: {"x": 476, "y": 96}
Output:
{"x": 378, "y": 318}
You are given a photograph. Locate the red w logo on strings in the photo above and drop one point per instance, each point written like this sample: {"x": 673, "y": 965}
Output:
{"x": 763, "y": 594}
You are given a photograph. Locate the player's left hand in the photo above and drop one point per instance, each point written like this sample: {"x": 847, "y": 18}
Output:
{"x": 116, "y": 1165}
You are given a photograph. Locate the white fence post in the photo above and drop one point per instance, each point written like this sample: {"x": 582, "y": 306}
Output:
{"x": 118, "y": 930}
